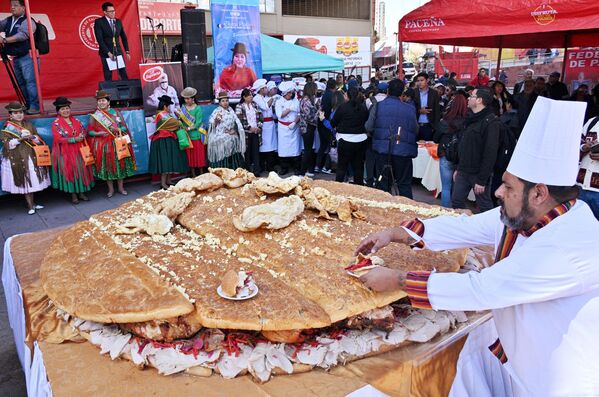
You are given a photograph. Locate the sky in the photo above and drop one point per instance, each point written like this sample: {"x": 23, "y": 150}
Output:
{"x": 395, "y": 9}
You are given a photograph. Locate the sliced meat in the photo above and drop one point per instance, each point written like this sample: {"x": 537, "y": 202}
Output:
{"x": 381, "y": 318}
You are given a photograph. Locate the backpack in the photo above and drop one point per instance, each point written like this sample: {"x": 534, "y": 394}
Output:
{"x": 40, "y": 37}
{"x": 507, "y": 144}
{"x": 451, "y": 148}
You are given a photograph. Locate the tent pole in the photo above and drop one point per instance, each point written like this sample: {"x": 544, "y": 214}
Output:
{"x": 399, "y": 57}
{"x": 563, "y": 76}
{"x": 34, "y": 57}
{"x": 498, "y": 59}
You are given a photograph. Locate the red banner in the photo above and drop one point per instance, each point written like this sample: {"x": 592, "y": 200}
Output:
{"x": 73, "y": 67}
{"x": 582, "y": 67}
{"x": 168, "y": 14}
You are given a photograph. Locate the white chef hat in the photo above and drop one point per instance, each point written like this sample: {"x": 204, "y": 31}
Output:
{"x": 259, "y": 84}
{"x": 321, "y": 86}
{"x": 286, "y": 87}
{"x": 548, "y": 149}
{"x": 270, "y": 85}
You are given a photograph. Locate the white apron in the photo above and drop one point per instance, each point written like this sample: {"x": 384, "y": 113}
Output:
{"x": 269, "y": 126}
{"x": 289, "y": 136}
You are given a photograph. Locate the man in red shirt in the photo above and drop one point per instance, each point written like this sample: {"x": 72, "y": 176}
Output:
{"x": 481, "y": 79}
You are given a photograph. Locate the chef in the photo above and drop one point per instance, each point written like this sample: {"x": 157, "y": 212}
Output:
{"x": 543, "y": 289}
{"x": 268, "y": 147}
{"x": 289, "y": 137}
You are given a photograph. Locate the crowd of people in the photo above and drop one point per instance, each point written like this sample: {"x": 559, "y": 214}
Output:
{"x": 369, "y": 135}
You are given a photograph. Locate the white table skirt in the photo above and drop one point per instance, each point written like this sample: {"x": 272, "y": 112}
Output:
{"x": 427, "y": 168}
{"x": 36, "y": 380}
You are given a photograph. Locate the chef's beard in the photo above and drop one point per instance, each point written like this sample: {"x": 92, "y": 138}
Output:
{"x": 517, "y": 222}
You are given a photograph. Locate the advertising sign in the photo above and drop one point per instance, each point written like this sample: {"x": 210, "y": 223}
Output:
{"x": 355, "y": 51}
{"x": 582, "y": 67}
{"x": 159, "y": 79}
{"x": 237, "y": 50}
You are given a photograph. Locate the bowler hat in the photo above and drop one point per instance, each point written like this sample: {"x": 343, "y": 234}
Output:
{"x": 222, "y": 95}
{"x": 189, "y": 92}
{"x": 166, "y": 99}
{"x": 15, "y": 107}
{"x": 61, "y": 101}
{"x": 102, "y": 94}
{"x": 239, "y": 48}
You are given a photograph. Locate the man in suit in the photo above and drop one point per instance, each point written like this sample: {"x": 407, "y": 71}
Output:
{"x": 108, "y": 30}
{"x": 428, "y": 111}
{"x": 519, "y": 86}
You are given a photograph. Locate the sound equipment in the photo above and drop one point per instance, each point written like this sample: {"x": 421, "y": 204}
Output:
{"x": 199, "y": 76}
{"x": 193, "y": 34}
{"x": 123, "y": 93}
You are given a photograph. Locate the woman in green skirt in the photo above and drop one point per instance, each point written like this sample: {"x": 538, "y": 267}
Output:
{"x": 69, "y": 172}
{"x": 166, "y": 158}
{"x": 226, "y": 137}
{"x": 105, "y": 126}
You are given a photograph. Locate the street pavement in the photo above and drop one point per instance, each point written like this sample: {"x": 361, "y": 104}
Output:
{"x": 59, "y": 211}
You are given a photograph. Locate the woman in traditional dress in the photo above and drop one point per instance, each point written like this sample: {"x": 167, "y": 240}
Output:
{"x": 251, "y": 120}
{"x": 69, "y": 172}
{"x": 166, "y": 158}
{"x": 192, "y": 120}
{"x": 20, "y": 172}
{"x": 237, "y": 75}
{"x": 287, "y": 109}
{"x": 104, "y": 126}
{"x": 226, "y": 137}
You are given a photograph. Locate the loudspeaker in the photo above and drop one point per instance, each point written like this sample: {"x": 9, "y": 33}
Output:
{"x": 199, "y": 76}
{"x": 123, "y": 93}
{"x": 193, "y": 34}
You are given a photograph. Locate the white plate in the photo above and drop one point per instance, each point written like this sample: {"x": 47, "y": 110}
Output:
{"x": 245, "y": 293}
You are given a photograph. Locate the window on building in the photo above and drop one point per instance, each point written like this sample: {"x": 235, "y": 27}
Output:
{"x": 351, "y": 9}
{"x": 266, "y": 6}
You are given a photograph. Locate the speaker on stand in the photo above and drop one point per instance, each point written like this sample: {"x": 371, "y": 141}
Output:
{"x": 197, "y": 73}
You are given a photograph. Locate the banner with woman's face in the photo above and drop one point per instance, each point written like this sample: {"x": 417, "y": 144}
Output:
{"x": 237, "y": 50}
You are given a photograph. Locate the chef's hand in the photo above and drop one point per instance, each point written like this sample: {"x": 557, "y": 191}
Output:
{"x": 478, "y": 189}
{"x": 381, "y": 279}
{"x": 376, "y": 241}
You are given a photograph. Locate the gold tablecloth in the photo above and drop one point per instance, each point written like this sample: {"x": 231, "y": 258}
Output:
{"x": 77, "y": 369}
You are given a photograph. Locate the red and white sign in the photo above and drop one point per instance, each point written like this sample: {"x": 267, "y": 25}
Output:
{"x": 73, "y": 67}
{"x": 167, "y": 14}
{"x": 582, "y": 67}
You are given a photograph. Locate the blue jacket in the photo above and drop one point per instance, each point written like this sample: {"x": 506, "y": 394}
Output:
{"x": 392, "y": 113}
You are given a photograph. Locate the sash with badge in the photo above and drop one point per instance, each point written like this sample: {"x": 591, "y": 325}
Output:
{"x": 41, "y": 150}
{"x": 121, "y": 141}
{"x": 189, "y": 121}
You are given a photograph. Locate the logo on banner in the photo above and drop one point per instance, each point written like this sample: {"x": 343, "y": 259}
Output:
{"x": 424, "y": 23}
{"x": 544, "y": 14}
{"x": 86, "y": 32}
{"x": 153, "y": 74}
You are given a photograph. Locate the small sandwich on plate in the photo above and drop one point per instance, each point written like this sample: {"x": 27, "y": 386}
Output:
{"x": 234, "y": 284}
{"x": 364, "y": 264}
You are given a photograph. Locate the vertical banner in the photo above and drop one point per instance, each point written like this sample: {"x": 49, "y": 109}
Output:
{"x": 237, "y": 50}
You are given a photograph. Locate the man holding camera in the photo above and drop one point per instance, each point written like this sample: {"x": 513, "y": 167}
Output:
{"x": 15, "y": 43}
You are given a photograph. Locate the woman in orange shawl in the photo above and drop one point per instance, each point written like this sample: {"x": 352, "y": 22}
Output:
{"x": 237, "y": 76}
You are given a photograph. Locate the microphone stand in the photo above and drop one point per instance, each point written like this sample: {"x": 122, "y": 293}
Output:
{"x": 164, "y": 43}
{"x": 153, "y": 41}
